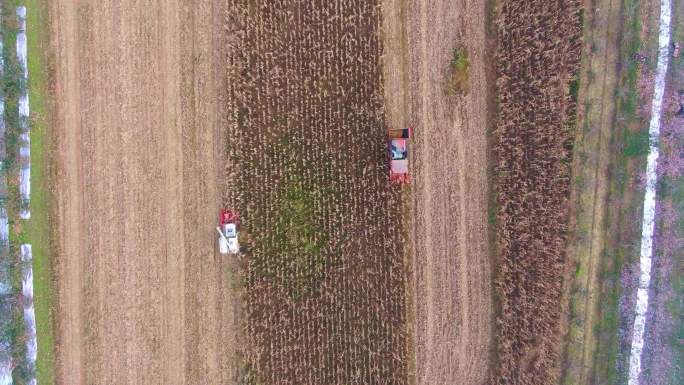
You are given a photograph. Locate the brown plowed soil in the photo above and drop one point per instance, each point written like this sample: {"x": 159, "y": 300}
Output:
{"x": 143, "y": 296}
{"x": 451, "y": 290}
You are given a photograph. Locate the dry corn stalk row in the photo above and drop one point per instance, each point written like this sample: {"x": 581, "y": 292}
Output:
{"x": 537, "y": 57}
{"x": 323, "y": 273}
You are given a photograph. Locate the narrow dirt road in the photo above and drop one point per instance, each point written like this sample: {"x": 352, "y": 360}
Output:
{"x": 451, "y": 290}
{"x": 592, "y": 166}
{"x": 143, "y": 296}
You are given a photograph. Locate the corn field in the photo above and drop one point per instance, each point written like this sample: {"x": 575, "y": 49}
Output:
{"x": 323, "y": 267}
{"x": 537, "y": 58}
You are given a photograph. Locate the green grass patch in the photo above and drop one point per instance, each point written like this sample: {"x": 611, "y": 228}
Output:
{"x": 299, "y": 239}
{"x": 574, "y": 88}
{"x": 38, "y": 228}
{"x": 636, "y": 144}
{"x": 459, "y": 73}
{"x": 296, "y": 251}
{"x": 492, "y": 204}
{"x": 607, "y": 328}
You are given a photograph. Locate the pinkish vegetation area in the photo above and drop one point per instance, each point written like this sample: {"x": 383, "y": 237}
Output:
{"x": 663, "y": 356}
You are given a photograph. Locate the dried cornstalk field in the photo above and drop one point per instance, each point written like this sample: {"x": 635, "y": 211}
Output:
{"x": 323, "y": 267}
{"x": 537, "y": 58}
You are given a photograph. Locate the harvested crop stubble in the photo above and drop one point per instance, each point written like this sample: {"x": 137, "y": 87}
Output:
{"x": 323, "y": 273}
{"x": 537, "y": 57}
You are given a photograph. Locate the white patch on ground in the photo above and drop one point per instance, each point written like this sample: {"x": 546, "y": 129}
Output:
{"x": 29, "y": 311}
{"x": 25, "y": 150}
{"x": 25, "y": 191}
{"x": 21, "y": 39}
{"x": 5, "y": 371}
{"x": 4, "y": 227}
{"x": 5, "y": 288}
{"x": 648, "y": 223}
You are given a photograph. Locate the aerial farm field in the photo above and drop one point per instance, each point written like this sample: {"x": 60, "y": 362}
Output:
{"x": 511, "y": 256}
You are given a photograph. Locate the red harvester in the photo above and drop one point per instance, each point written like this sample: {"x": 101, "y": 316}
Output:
{"x": 398, "y": 154}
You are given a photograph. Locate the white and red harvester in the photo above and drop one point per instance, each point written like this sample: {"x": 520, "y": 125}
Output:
{"x": 229, "y": 224}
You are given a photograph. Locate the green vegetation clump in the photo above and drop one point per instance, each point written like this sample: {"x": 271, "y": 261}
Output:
{"x": 300, "y": 241}
{"x": 574, "y": 88}
{"x": 295, "y": 249}
{"x": 459, "y": 73}
{"x": 636, "y": 144}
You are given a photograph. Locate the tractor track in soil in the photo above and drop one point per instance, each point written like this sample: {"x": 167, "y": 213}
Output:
{"x": 142, "y": 294}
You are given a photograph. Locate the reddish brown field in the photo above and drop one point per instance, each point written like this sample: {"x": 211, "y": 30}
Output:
{"x": 537, "y": 58}
{"x": 323, "y": 266}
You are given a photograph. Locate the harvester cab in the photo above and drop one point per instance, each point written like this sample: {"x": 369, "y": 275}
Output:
{"x": 228, "y": 228}
{"x": 398, "y": 155}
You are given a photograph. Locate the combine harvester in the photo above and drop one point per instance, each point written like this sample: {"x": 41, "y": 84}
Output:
{"x": 398, "y": 154}
{"x": 229, "y": 223}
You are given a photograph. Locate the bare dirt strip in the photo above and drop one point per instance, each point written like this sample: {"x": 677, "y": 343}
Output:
{"x": 451, "y": 290}
{"x": 143, "y": 296}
